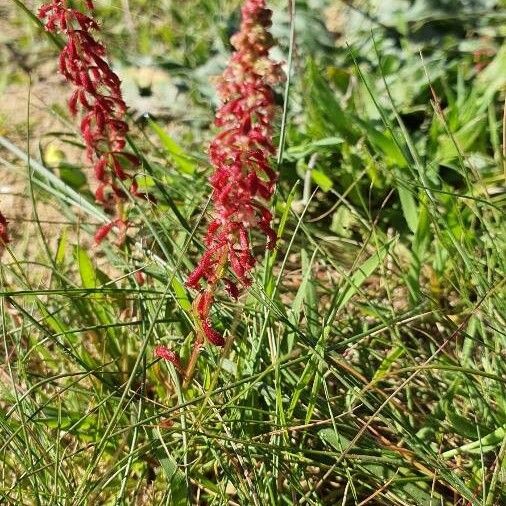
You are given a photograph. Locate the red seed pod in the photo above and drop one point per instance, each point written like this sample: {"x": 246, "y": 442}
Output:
{"x": 95, "y": 73}
{"x": 99, "y": 168}
{"x": 62, "y": 64}
{"x": 118, "y": 192}
{"x": 63, "y": 21}
{"x": 194, "y": 278}
{"x": 203, "y": 303}
{"x": 86, "y": 82}
{"x": 134, "y": 188}
{"x": 140, "y": 278}
{"x": 100, "y": 193}
{"x": 4, "y": 231}
{"x": 85, "y": 22}
{"x": 44, "y": 10}
{"x": 82, "y": 98}
{"x": 237, "y": 266}
{"x": 163, "y": 352}
{"x": 73, "y": 102}
{"x": 133, "y": 159}
{"x": 212, "y": 335}
{"x": 103, "y": 232}
{"x": 231, "y": 288}
{"x": 122, "y": 227}
{"x": 118, "y": 169}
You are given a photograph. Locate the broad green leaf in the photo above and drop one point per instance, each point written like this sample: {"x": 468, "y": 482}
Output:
{"x": 384, "y": 144}
{"x": 461, "y": 424}
{"x": 62, "y": 248}
{"x": 337, "y": 441}
{"x": 175, "y": 477}
{"x": 461, "y": 140}
{"x": 72, "y": 175}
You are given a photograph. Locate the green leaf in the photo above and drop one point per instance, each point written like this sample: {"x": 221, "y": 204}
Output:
{"x": 486, "y": 444}
{"x": 62, "y": 248}
{"x": 86, "y": 268}
{"x": 409, "y": 207}
{"x": 387, "y": 363}
{"x": 181, "y": 296}
{"x": 362, "y": 273}
{"x": 72, "y": 175}
{"x": 322, "y": 180}
{"x": 176, "y": 478}
{"x": 384, "y": 144}
{"x": 183, "y": 161}
{"x": 462, "y": 140}
{"x": 493, "y": 77}
{"x": 334, "y": 439}
{"x": 460, "y": 424}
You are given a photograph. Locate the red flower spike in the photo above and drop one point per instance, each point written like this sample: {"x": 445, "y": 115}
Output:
{"x": 243, "y": 180}
{"x": 97, "y": 95}
{"x": 163, "y": 352}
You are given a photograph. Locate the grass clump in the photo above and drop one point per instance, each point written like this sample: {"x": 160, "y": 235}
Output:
{"x": 365, "y": 365}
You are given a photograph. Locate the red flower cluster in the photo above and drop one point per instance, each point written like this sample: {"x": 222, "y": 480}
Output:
{"x": 243, "y": 180}
{"x": 98, "y": 95}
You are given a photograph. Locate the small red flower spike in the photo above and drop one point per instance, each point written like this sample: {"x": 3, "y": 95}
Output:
{"x": 97, "y": 96}
{"x": 243, "y": 180}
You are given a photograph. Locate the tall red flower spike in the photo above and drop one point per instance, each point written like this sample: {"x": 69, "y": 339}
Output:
{"x": 97, "y": 94}
{"x": 243, "y": 180}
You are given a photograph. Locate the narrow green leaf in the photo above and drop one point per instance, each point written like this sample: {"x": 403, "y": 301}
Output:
{"x": 86, "y": 268}
{"x": 409, "y": 207}
{"x": 387, "y": 363}
{"x": 182, "y": 160}
{"x": 181, "y": 296}
{"x": 362, "y": 273}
